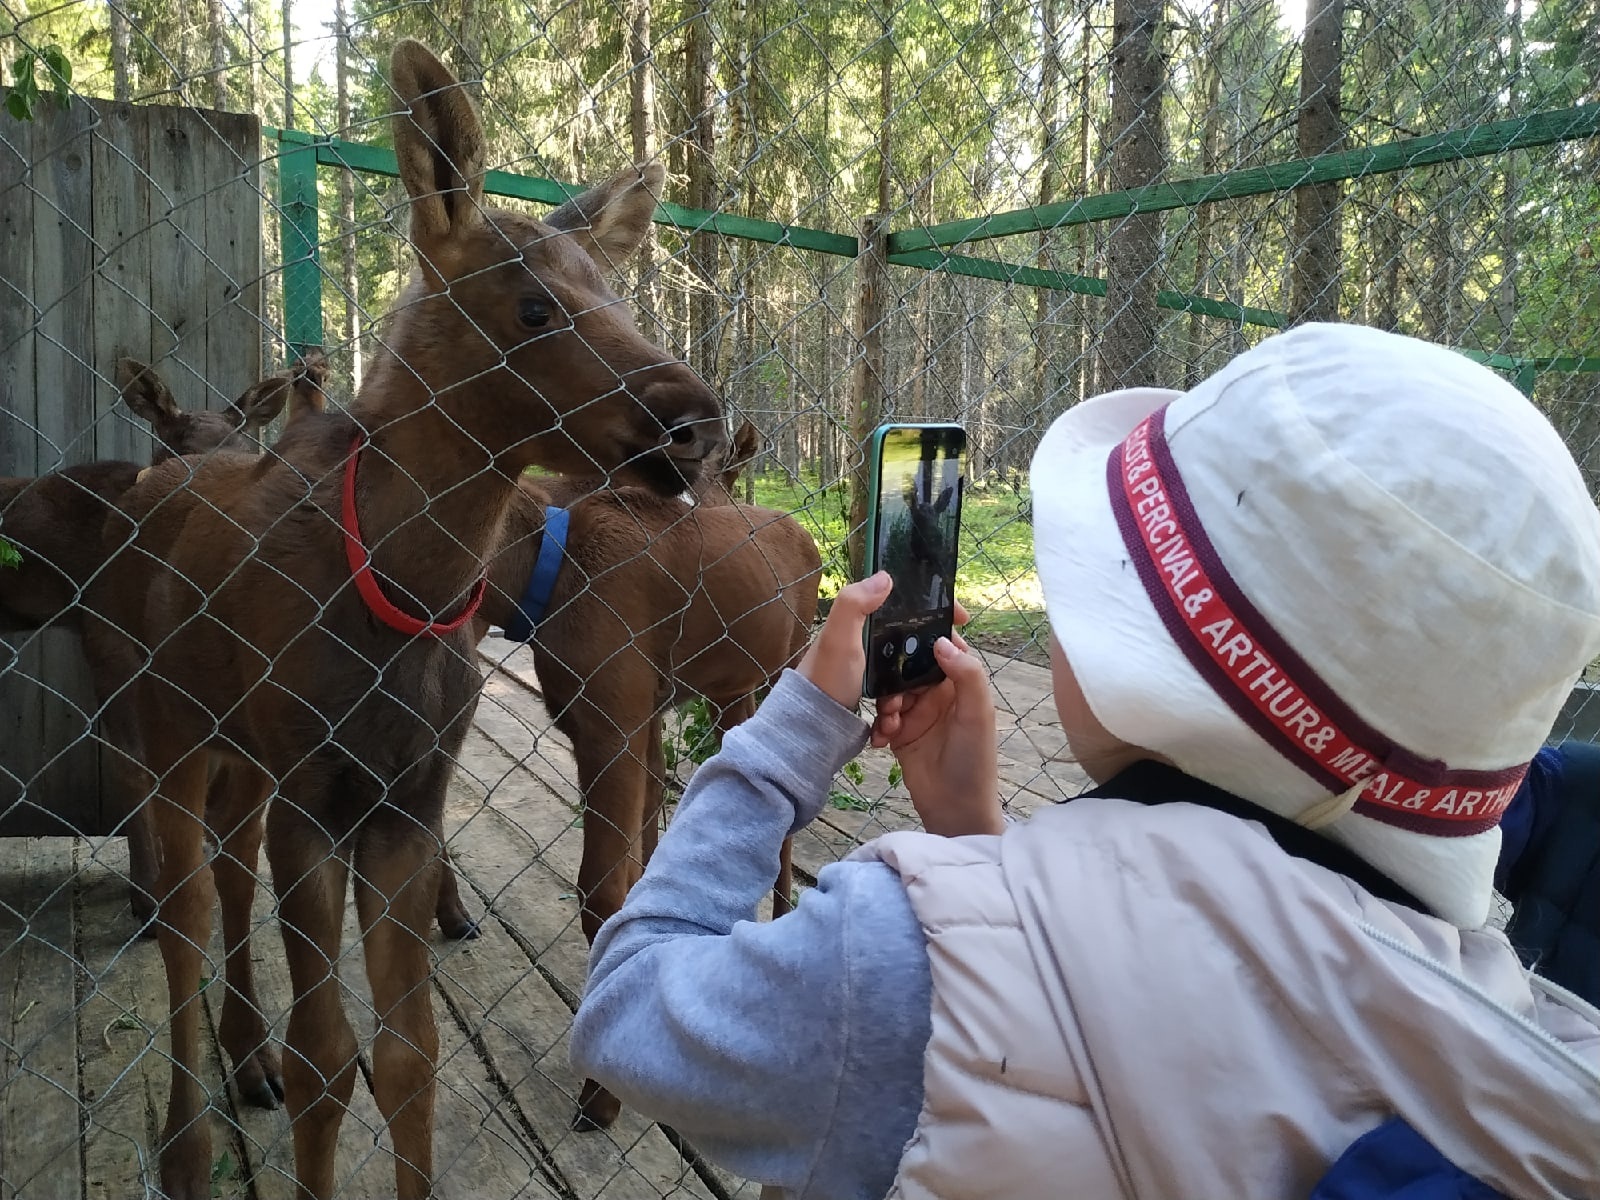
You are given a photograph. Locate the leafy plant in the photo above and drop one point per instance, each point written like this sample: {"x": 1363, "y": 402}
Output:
{"x": 224, "y": 1170}
{"x": 8, "y": 554}
{"x": 692, "y": 735}
{"x": 25, "y": 94}
{"x": 852, "y": 801}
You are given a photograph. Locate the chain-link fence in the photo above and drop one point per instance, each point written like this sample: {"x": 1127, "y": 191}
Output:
{"x": 981, "y": 213}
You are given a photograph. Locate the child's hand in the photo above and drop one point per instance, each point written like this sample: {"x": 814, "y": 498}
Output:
{"x": 837, "y": 660}
{"x": 944, "y": 737}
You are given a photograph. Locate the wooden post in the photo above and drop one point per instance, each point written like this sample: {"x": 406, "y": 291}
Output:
{"x": 868, "y": 388}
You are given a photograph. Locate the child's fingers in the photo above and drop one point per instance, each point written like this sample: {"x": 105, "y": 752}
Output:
{"x": 884, "y": 730}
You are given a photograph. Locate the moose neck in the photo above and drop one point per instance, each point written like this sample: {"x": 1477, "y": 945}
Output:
{"x": 431, "y": 503}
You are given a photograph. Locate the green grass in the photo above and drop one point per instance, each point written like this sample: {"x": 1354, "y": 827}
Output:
{"x": 996, "y": 580}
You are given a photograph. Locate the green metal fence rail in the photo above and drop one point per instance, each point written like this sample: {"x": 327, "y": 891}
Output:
{"x": 928, "y": 248}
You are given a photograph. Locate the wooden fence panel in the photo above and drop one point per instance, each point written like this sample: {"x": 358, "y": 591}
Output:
{"x": 124, "y": 230}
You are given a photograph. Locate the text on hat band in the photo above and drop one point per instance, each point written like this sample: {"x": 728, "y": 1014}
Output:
{"x": 1260, "y": 677}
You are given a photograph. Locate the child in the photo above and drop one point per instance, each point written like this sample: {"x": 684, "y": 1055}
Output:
{"x": 1311, "y": 620}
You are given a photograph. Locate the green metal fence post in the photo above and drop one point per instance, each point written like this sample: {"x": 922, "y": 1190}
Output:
{"x": 302, "y": 273}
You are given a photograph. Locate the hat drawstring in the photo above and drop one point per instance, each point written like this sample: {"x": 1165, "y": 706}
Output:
{"x": 1331, "y": 809}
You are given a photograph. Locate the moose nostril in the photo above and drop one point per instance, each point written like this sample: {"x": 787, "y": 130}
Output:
{"x": 682, "y": 434}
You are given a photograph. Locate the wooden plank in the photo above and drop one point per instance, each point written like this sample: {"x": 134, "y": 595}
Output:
{"x": 67, "y": 782}
{"x": 122, "y": 279}
{"x": 232, "y": 244}
{"x": 124, "y": 1068}
{"x": 21, "y": 656}
{"x": 64, "y": 285}
{"x": 521, "y": 1025}
{"x": 18, "y": 313}
{"x": 502, "y": 864}
{"x": 39, "y": 1113}
{"x": 175, "y": 161}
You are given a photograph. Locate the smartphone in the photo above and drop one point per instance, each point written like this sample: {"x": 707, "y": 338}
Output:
{"x": 917, "y": 474}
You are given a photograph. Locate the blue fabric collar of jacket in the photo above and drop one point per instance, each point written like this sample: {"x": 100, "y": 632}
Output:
{"x": 535, "y": 599}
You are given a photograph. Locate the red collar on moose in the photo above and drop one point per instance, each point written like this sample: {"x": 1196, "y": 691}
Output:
{"x": 367, "y": 579}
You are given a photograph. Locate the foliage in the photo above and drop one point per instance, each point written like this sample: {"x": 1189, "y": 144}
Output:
{"x": 25, "y": 93}
{"x": 8, "y": 554}
{"x": 690, "y": 734}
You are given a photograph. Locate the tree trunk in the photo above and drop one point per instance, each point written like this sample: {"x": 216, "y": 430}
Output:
{"x": 922, "y": 313}
{"x": 1505, "y": 294}
{"x": 1138, "y": 78}
{"x": 216, "y": 31}
{"x": 252, "y": 77}
{"x": 1386, "y": 311}
{"x": 1210, "y": 137}
{"x": 703, "y": 256}
{"x": 868, "y": 382}
{"x": 885, "y": 111}
{"x": 1047, "y": 303}
{"x": 1316, "y": 247}
{"x": 1441, "y": 247}
{"x": 642, "y": 131}
{"x": 347, "y": 199}
{"x": 121, "y": 80}
{"x": 827, "y": 319}
{"x": 796, "y": 387}
{"x": 1081, "y": 366}
{"x": 827, "y": 466}
{"x": 469, "y": 49}
{"x": 288, "y": 64}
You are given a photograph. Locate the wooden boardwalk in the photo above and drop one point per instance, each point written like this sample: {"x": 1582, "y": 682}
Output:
{"x": 83, "y": 1011}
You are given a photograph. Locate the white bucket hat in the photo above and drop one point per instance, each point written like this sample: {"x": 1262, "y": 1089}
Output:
{"x": 1351, "y": 577}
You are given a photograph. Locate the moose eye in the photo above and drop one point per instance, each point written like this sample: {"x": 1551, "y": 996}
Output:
{"x": 533, "y": 312}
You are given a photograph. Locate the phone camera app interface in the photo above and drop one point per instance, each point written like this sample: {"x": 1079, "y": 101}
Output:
{"x": 919, "y": 518}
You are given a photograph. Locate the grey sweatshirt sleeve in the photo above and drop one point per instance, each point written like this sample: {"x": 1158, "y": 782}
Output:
{"x": 790, "y": 1051}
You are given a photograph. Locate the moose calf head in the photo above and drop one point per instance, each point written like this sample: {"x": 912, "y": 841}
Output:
{"x": 516, "y": 334}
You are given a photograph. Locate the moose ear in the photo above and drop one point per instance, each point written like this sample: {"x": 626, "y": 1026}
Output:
{"x": 262, "y": 401}
{"x": 145, "y": 392}
{"x": 313, "y": 368}
{"x": 746, "y": 444}
{"x": 612, "y": 218}
{"x": 308, "y": 376}
{"x": 438, "y": 141}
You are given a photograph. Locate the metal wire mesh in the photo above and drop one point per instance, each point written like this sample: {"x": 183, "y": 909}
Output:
{"x": 981, "y": 213}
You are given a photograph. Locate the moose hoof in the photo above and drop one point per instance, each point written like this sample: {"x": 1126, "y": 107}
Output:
{"x": 458, "y": 927}
{"x": 597, "y": 1109}
{"x": 143, "y": 907}
{"x": 260, "y": 1080}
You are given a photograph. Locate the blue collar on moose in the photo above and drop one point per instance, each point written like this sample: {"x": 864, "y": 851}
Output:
{"x": 536, "y": 596}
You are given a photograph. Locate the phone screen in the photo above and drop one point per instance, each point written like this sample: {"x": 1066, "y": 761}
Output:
{"x": 918, "y": 474}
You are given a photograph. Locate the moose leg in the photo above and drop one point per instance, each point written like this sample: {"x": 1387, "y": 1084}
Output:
{"x": 454, "y": 920}
{"x": 397, "y": 887}
{"x": 186, "y": 895}
{"x": 655, "y": 793}
{"x": 238, "y": 799}
{"x": 319, "y": 1067}
{"x": 143, "y": 861}
{"x": 734, "y": 713}
{"x": 783, "y": 889}
{"x": 611, "y": 772}
{"x": 143, "y": 865}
